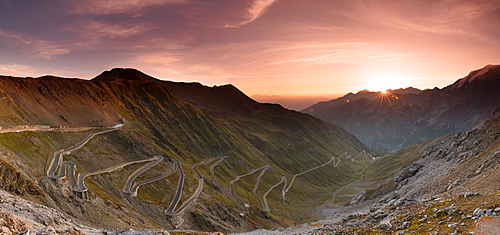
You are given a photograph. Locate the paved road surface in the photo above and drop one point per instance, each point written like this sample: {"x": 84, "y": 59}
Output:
{"x": 132, "y": 189}
{"x": 264, "y": 197}
{"x": 212, "y": 168}
{"x": 199, "y": 189}
{"x": 81, "y": 179}
{"x": 231, "y": 185}
{"x": 58, "y": 155}
{"x": 11, "y": 129}
{"x": 267, "y": 167}
{"x": 177, "y": 196}
{"x": 301, "y": 173}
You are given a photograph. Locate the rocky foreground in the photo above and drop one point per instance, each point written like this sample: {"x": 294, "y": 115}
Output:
{"x": 470, "y": 213}
{"x": 19, "y": 216}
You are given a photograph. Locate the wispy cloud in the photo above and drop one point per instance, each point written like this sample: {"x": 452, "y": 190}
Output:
{"x": 329, "y": 53}
{"x": 441, "y": 16}
{"x": 19, "y": 70}
{"x": 51, "y": 52}
{"x": 271, "y": 53}
{"x": 99, "y": 30}
{"x": 109, "y": 7}
{"x": 258, "y": 7}
{"x": 163, "y": 62}
{"x": 255, "y": 11}
{"x": 16, "y": 70}
{"x": 35, "y": 47}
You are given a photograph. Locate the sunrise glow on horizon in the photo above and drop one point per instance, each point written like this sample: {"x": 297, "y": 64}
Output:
{"x": 266, "y": 48}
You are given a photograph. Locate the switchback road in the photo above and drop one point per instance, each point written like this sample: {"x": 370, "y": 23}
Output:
{"x": 266, "y": 167}
{"x": 57, "y": 161}
{"x": 231, "y": 185}
{"x": 191, "y": 199}
{"x": 212, "y": 171}
{"x": 301, "y": 173}
{"x": 77, "y": 183}
{"x": 264, "y": 197}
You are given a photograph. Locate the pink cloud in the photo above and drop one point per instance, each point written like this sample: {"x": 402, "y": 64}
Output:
{"x": 441, "y": 16}
{"x": 20, "y": 70}
{"x": 99, "y": 30}
{"x": 255, "y": 11}
{"x": 108, "y": 7}
{"x": 35, "y": 47}
{"x": 17, "y": 70}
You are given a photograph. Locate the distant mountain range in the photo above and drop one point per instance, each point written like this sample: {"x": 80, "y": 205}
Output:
{"x": 403, "y": 117}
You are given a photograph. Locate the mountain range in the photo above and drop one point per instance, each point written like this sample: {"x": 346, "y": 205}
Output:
{"x": 387, "y": 122}
{"x": 128, "y": 150}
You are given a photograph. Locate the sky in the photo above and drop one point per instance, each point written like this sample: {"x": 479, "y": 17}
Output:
{"x": 288, "y": 51}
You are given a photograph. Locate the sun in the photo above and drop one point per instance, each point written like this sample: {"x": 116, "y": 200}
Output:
{"x": 382, "y": 82}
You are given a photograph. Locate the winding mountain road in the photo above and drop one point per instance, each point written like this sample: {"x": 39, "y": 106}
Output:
{"x": 81, "y": 179}
{"x": 68, "y": 169}
{"x": 132, "y": 189}
{"x": 57, "y": 161}
{"x": 257, "y": 183}
{"x": 350, "y": 157}
{"x": 283, "y": 193}
{"x": 77, "y": 183}
{"x": 180, "y": 185}
{"x": 231, "y": 185}
{"x": 264, "y": 203}
{"x": 195, "y": 195}
{"x": 212, "y": 172}
{"x": 264, "y": 197}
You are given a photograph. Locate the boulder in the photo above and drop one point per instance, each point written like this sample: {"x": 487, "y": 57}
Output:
{"x": 488, "y": 226}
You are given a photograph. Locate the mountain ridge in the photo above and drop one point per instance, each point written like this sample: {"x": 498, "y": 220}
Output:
{"x": 388, "y": 122}
{"x": 473, "y": 75}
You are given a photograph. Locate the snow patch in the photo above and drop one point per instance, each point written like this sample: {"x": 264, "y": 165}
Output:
{"x": 480, "y": 72}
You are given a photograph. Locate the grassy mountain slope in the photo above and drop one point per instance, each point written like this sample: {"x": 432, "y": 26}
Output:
{"x": 189, "y": 122}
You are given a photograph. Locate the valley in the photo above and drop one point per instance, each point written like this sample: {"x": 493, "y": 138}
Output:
{"x": 444, "y": 186}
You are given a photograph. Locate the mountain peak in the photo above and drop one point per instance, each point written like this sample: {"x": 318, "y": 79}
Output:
{"x": 474, "y": 74}
{"x": 124, "y": 74}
